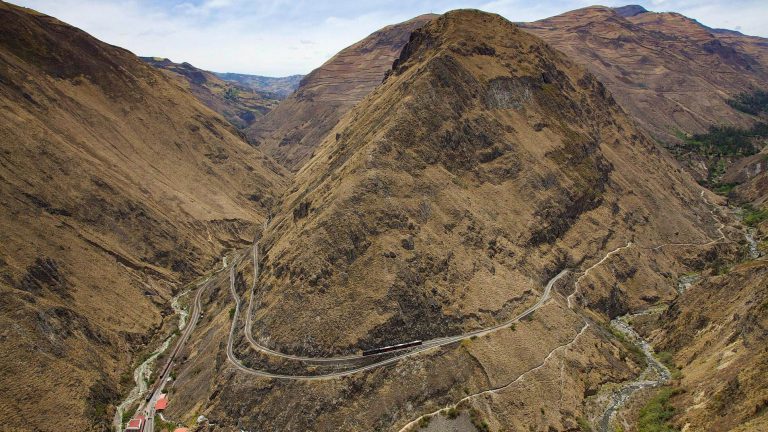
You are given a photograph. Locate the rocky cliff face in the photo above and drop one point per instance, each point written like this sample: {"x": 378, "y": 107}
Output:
{"x": 117, "y": 187}
{"x": 291, "y": 132}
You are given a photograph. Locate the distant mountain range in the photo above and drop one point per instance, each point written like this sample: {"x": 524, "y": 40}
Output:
{"x": 280, "y": 86}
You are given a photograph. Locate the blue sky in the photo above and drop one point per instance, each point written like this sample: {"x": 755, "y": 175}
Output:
{"x": 279, "y": 37}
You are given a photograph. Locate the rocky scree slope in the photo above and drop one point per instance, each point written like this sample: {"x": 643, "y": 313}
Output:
{"x": 292, "y": 131}
{"x": 117, "y": 186}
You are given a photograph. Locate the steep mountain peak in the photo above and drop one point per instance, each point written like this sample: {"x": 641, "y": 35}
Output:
{"x": 292, "y": 131}
{"x": 482, "y": 163}
{"x": 630, "y": 10}
{"x": 672, "y": 23}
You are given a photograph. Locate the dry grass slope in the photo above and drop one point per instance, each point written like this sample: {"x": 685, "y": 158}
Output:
{"x": 117, "y": 186}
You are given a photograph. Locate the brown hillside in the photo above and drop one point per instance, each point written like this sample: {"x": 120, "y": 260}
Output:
{"x": 293, "y": 130}
{"x": 117, "y": 186}
{"x": 669, "y": 72}
{"x": 717, "y": 331}
{"x": 485, "y": 161}
{"x": 240, "y": 105}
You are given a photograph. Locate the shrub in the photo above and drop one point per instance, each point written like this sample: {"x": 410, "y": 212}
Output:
{"x": 655, "y": 415}
{"x": 480, "y": 424}
{"x": 584, "y": 425}
{"x": 637, "y": 353}
{"x": 666, "y": 358}
{"x": 231, "y": 93}
{"x": 724, "y": 188}
{"x": 751, "y": 103}
{"x": 753, "y": 217}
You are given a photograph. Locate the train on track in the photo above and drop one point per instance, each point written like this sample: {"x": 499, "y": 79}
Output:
{"x": 392, "y": 348}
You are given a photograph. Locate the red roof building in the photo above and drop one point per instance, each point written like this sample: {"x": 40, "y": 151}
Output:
{"x": 136, "y": 424}
{"x": 181, "y": 430}
{"x": 162, "y": 402}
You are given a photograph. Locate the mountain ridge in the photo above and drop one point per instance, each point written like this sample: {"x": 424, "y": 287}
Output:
{"x": 292, "y": 131}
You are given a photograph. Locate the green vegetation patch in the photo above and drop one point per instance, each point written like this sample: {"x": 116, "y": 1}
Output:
{"x": 655, "y": 416}
{"x": 723, "y": 188}
{"x": 128, "y": 413}
{"x": 728, "y": 141}
{"x": 584, "y": 425}
{"x": 754, "y": 103}
{"x": 451, "y": 413}
{"x": 753, "y": 216}
{"x": 162, "y": 425}
{"x": 637, "y": 353}
{"x": 231, "y": 93}
{"x": 478, "y": 422}
{"x": 666, "y": 358}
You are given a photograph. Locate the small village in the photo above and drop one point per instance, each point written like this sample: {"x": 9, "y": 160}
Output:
{"x": 145, "y": 422}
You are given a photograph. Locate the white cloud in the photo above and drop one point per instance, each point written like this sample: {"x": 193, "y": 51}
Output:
{"x": 281, "y": 37}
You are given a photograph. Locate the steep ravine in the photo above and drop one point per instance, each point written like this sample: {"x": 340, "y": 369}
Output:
{"x": 654, "y": 375}
{"x": 143, "y": 372}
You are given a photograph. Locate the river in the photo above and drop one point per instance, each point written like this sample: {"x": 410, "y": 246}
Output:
{"x": 654, "y": 375}
{"x": 143, "y": 372}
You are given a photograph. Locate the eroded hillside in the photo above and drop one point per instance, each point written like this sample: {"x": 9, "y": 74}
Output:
{"x": 117, "y": 187}
{"x": 669, "y": 72}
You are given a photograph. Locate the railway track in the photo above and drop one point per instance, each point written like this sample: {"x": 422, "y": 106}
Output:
{"x": 425, "y": 346}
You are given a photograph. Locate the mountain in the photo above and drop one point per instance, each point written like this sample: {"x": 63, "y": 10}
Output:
{"x": 238, "y": 104}
{"x": 484, "y": 171}
{"x": 279, "y": 86}
{"x": 292, "y": 131}
{"x": 118, "y": 188}
{"x": 668, "y": 71}
{"x": 675, "y": 76}
{"x": 477, "y": 233}
{"x": 630, "y": 10}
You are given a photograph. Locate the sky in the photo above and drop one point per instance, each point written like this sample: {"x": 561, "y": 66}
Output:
{"x": 281, "y": 37}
